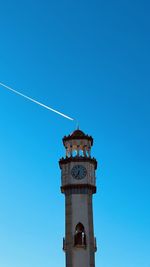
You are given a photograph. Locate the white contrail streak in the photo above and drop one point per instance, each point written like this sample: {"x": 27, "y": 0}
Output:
{"x": 34, "y": 101}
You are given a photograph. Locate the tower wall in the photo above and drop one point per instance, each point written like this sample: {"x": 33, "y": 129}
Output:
{"x": 79, "y": 210}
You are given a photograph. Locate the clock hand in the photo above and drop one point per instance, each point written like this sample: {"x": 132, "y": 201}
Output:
{"x": 77, "y": 174}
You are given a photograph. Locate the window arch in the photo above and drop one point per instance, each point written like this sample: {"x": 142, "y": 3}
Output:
{"x": 74, "y": 152}
{"x": 80, "y": 237}
{"x": 81, "y": 154}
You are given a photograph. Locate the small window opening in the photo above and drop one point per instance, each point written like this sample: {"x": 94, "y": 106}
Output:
{"x": 80, "y": 237}
{"x": 68, "y": 154}
{"x": 87, "y": 153}
{"x": 74, "y": 153}
{"x": 81, "y": 153}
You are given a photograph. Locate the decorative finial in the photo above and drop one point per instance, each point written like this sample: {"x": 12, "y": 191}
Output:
{"x": 77, "y": 125}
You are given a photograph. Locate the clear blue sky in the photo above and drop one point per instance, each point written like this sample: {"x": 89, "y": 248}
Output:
{"x": 91, "y": 60}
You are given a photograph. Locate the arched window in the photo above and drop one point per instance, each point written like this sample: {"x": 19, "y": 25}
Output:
{"x": 81, "y": 153}
{"x": 74, "y": 153}
{"x": 80, "y": 237}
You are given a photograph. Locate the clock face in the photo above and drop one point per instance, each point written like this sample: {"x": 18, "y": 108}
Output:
{"x": 78, "y": 172}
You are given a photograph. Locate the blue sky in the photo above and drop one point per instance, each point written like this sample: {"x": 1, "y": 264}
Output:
{"x": 90, "y": 60}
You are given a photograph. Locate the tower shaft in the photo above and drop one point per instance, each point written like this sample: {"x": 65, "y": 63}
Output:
{"x": 78, "y": 186}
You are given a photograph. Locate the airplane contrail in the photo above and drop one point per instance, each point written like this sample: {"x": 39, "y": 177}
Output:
{"x": 36, "y": 102}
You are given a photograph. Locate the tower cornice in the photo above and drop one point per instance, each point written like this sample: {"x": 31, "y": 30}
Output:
{"x": 77, "y": 159}
{"x": 78, "y": 188}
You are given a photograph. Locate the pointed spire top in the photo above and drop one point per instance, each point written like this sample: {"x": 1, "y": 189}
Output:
{"x": 77, "y": 126}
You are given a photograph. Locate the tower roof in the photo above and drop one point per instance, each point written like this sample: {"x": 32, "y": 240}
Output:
{"x": 78, "y": 134}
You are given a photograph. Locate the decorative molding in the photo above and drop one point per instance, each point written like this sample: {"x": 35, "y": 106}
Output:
{"x": 78, "y": 189}
{"x": 78, "y": 135}
{"x": 77, "y": 159}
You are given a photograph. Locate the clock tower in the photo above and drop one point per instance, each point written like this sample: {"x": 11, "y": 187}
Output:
{"x": 78, "y": 185}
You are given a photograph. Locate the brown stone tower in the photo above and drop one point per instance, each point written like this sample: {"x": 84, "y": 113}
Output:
{"x": 78, "y": 185}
